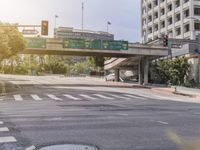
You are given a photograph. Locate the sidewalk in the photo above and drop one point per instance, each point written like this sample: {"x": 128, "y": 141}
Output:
{"x": 7, "y": 87}
{"x": 189, "y": 92}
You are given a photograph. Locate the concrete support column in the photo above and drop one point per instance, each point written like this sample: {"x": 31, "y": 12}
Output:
{"x": 140, "y": 76}
{"x": 146, "y": 71}
{"x": 116, "y": 75}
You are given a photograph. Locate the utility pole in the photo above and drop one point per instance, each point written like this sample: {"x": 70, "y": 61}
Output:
{"x": 82, "y": 21}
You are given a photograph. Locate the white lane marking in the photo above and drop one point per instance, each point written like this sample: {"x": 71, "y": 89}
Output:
{"x": 123, "y": 114}
{"x": 120, "y": 97}
{"x": 1, "y": 122}
{"x": 31, "y": 148}
{"x": 53, "y": 119}
{"x": 162, "y": 122}
{"x": 7, "y": 139}
{"x": 36, "y": 97}
{"x": 104, "y": 97}
{"x": 71, "y": 97}
{"x": 88, "y": 97}
{"x": 4, "y": 129}
{"x": 54, "y": 97}
{"x": 136, "y": 97}
{"x": 18, "y": 98}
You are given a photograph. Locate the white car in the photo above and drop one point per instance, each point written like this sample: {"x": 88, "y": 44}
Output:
{"x": 111, "y": 77}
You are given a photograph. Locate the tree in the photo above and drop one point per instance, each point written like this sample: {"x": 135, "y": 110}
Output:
{"x": 11, "y": 41}
{"x": 97, "y": 61}
{"x": 174, "y": 72}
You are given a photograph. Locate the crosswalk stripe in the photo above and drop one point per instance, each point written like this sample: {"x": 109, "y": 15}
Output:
{"x": 36, "y": 97}
{"x": 8, "y": 139}
{"x": 102, "y": 96}
{"x": 4, "y": 129}
{"x": 119, "y": 97}
{"x": 71, "y": 97}
{"x": 136, "y": 97}
{"x": 88, "y": 97}
{"x": 18, "y": 98}
{"x": 1, "y": 122}
{"x": 54, "y": 97}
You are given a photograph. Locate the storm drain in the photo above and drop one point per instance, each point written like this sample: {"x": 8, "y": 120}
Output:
{"x": 69, "y": 147}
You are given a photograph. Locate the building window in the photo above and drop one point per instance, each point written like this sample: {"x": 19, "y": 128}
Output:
{"x": 156, "y": 27}
{"x": 177, "y": 3}
{"x": 162, "y": 24}
{"x": 149, "y": 18}
{"x": 149, "y": 6}
{"x": 197, "y": 26}
{"x": 150, "y": 30}
{"x": 170, "y": 21}
{"x": 178, "y": 17}
{"x": 161, "y": 1}
{"x": 186, "y": 28}
{"x": 197, "y": 11}
{"x": 162, "y": 11}
{"x": 178, "y": 31}
{"x": 170, "y": 33}
{"x": 169, "y": 7}
{"x": 155, "y": 15}
{"x": 155, "y": 2}
{"x": 186, "y": 13}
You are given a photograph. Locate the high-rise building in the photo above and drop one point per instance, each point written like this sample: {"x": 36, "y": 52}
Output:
{"x": 176, "y": 18}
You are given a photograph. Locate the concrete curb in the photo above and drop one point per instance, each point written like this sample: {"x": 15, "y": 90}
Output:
{"x": 128, "y": 85}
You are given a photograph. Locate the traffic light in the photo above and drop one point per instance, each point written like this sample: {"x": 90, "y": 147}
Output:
{"x": 165, "y": 40}
{"x": 45, "y": 28}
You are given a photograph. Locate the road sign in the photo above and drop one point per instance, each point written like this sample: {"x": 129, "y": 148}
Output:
{"x": 36, "y": 42}
{"x": 95, "y": 44}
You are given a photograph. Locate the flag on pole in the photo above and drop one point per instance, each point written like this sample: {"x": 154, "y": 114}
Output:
{"x": 56, "y": 16}
{"x": 109, "y": 23}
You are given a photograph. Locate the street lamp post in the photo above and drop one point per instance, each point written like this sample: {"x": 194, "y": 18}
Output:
{"x": 56, "y": 16}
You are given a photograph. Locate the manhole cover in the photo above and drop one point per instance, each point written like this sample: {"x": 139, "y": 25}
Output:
{"x": 69, "y": 147}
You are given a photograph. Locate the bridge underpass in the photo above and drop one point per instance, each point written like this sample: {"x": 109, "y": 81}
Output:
{"x": 137, "y": 56}
{"x": 138, "y": 64}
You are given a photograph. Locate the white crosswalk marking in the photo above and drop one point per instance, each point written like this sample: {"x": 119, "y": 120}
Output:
{"x": 136, "y": 97}
{"x": 9, "y": 139}
{"x": 119, "y": 97}
{"x": 18, "y": 98}
{"x": 54, "y": 97}
{"x": 1, "y": 122}
{"x": 4, "y": 129}
{"x": 36, "y": 97}
{"x": 88, "y": 97}
{"x": 71, "y": 97}
{"x": 104, "y": 97}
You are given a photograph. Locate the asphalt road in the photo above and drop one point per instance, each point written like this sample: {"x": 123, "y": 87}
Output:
{"x": 110, "y": 118}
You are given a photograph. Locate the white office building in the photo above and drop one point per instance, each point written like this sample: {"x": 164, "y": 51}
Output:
{"x": 176, "y": 18}
{"x": 71, "y": 33}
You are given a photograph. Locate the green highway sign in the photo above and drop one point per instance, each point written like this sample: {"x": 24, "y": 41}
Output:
{"x": 36, "y": 42}
{"x": 95, "y": 44}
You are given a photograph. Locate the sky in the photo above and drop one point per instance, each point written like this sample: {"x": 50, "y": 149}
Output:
{"x": 124, "y": 15}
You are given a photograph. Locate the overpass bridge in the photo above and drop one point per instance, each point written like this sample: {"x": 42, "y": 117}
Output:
{"x": 53, "y": 46}
{"x": 132, "y": 57}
